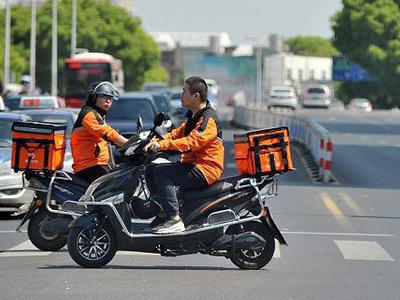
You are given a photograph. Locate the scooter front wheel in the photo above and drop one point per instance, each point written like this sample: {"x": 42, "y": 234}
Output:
{"x": 91, "y": 248}
{"x": 41, "y": 239}
{"x": 258, "y": 258}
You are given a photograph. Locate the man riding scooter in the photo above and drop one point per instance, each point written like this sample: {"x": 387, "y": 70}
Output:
{"x": 199, "y": 140}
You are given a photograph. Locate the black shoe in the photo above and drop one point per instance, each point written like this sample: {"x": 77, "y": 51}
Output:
{"x": 169, "y": 226}
{"x": 157, "y": 221}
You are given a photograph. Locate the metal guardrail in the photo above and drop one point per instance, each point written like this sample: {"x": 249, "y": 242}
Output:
{"x": 302, "y": 129}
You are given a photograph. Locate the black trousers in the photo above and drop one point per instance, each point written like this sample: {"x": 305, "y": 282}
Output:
{"x": 92, "y": 173}
{"x": 161, "y": 179}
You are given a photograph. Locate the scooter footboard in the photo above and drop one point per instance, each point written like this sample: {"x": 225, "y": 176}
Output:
{"x": 269, "y": 222}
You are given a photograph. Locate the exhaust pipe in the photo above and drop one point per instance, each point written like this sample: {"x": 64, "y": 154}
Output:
{"x": 244, "y": 241}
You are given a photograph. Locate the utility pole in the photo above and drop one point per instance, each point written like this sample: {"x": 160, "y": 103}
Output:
{"x": 7, "y": 47}
{"x": 33, "y": 48}
{"x": 73, "y": 28}
{"x": 54, "y": 51}
{"x": 259, "y": 67}
{"x": 259, "y": 74}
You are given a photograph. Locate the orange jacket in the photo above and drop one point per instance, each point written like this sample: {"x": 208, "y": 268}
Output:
{"x": 199, "y": 140}
{"x": 89, "y": 139}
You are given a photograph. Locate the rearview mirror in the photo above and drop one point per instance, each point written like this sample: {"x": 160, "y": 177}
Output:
{"x": 158, "y": 119}
{"x": 139, "y": 123}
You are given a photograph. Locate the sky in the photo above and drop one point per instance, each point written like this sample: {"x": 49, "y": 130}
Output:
{"x": 244, "y": 20}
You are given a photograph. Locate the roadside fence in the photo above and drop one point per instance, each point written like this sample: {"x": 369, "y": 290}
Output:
{"x": 302, "y": 129}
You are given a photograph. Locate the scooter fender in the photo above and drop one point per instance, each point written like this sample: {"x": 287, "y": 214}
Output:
{"x": 83, "y": 221}
{"x": 269, "y": 222}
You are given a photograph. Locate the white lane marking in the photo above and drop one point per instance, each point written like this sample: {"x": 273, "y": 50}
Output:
{"x": 24, "y": 249}
{"x": 362, "y": 250}
{"x": 135, "y": 253}
{"x": 277, "y": 253}
{"x": 339, "y": 233}
{"x": 12, "y": 231}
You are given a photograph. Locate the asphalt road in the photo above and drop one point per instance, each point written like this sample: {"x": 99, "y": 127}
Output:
{"x": 343, "y": 237}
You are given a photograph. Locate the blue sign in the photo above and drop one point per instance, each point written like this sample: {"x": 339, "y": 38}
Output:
{"x": 345, "y": 70}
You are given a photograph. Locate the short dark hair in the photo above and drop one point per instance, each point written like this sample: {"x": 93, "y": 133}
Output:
{"x": 197, "y": 85}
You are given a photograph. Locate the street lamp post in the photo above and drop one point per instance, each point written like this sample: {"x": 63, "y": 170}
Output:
{"x": 33, "y": 48}
{"x": 73, "y": 28}
{"x": 7, "y": 46}
{"x": 259, "y": 68}
{"x": 54, "y": 51}
{"x": 259, "y": 74}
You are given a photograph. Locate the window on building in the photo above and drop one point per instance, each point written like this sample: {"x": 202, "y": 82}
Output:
{"x": 289, "y": 74}
{"x": 300, "y": 75}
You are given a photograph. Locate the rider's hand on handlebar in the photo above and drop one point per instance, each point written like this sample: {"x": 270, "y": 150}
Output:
{"x": 152, "y": 146}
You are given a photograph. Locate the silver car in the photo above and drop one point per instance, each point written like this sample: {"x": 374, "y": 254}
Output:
{"x": 318, "y": 96}
{"x": 12, "y": 193}
{"x": 282, "y": 96}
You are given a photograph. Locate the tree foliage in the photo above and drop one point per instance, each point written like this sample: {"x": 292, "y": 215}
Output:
{"x": 101, "y": 27}
{"x": 311, "y": 46}
{"x": 368, "y": 32}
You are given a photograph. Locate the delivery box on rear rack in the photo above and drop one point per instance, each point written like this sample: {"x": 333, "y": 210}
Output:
{"x": 37, "y": 146}
{"x": 263, "y": 152}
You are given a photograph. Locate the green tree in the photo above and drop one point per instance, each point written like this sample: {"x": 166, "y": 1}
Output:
{"x": 368, "y": 32}
{"x": 311, "y": 46}
{"x": 101, "y": 27}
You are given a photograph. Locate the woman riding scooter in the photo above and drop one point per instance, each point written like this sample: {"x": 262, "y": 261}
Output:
{"x": 91, "y": 133}
{"x": 199, "y": 140}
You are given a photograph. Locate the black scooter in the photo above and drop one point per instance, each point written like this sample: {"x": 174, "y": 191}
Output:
{"x": 230, "y": 218}
{"x": 48, "y": 221}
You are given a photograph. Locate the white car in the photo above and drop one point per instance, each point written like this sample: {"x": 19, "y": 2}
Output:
{"x": 212, "y": 87}
{"x": 282, "y": 96}
{"x": 360, "y": 104}
{"x": 317, "y": 96}
{"x": 12, "y": 192}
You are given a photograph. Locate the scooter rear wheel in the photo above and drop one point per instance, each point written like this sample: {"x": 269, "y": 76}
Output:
{"x": 91, "y": 249}
{"x": 255, "y": 259}
{"x": 42, "y": 240}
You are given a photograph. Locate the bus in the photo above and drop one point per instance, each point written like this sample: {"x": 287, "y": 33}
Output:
{"x": 84, "y": 68}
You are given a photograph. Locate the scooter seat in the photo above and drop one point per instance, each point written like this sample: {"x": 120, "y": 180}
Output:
{"x": 78, "y": 181}
{"x": 221, "y": 187}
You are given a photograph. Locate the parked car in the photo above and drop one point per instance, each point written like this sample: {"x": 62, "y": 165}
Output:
{"x": 317, "y": 96}
{"x": 360, "y": 104}
{"x": 154, "y": 86}
{"x": 212, "y": 87}
{"x": 12, "y": 192}
{"x": 163, "y": 104}
{"x": 282, "y": 96}
{"x": 57, "y": 116}
{"x": 18, "y": 102}
{"x": 12, "y": 102}
{"x": 54, "y": 116}
{"x": 179, "y": 112}
{"x": 123, "y": 114}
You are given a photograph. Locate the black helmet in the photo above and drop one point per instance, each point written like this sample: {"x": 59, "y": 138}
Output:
{"x": 145, "y": 209}
{"x": 101, "y": 88}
